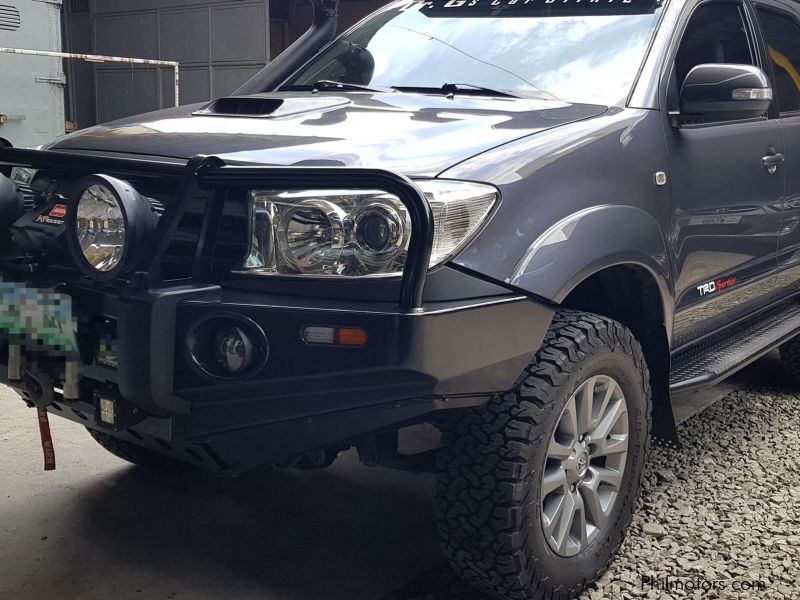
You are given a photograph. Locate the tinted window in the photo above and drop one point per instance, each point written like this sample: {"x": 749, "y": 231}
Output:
{"x": 716, "y": 34}
{"x": 576, "y": 53}
{"x": 782, "y": 34}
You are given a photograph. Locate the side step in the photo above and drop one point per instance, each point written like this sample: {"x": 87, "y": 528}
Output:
{"x": 720, "y": 355}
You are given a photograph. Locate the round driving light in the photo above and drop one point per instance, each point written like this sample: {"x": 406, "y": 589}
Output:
{"x": 109, "y": 225}
{"x": 100, "y": 226}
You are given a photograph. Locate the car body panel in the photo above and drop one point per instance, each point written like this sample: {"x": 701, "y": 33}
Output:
{"x": 417, "y": 135}
{"x": 563, "y": 214}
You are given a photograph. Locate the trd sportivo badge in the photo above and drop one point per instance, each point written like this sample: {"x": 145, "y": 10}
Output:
{"x": 716, "y": 286}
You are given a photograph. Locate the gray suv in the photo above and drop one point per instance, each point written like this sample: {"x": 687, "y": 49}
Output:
{"x": 525, "y": 222}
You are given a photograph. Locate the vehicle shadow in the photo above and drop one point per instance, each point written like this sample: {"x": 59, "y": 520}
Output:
{"x": 340, "y": 533}
{"x": 348, "y": 532}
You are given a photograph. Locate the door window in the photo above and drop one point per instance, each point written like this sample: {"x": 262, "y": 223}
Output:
{"x": 782, "y": 34}
{"x": 717, "y": 33}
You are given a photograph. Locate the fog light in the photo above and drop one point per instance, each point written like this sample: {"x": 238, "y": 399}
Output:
{"x": 234, "y": 350}
{"x": 226, "y": 347}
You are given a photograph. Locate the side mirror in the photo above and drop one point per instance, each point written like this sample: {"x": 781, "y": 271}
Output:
{"x": 723, "y": 92}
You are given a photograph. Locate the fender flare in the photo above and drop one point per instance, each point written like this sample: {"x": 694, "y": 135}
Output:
{"x": 589, "y": 241}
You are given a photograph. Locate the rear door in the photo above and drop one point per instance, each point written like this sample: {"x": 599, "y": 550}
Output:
{"x": 780, "y": 27}
{"x": 725, "y": 213}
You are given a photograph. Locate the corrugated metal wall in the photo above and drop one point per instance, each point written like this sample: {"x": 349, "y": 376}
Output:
{"x": 31, "y": 87}
{"x": 219, "y": 43}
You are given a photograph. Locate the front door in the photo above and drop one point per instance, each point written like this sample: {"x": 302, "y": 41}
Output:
{"x": 725, "y": 203}
{"x": 780, "y": 26}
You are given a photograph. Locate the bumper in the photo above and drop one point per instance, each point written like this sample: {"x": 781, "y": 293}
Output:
{"x": 426, "y": 352}
{"x": 450, "y": 355}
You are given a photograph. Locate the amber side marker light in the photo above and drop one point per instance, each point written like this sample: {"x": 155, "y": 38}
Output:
{"x": 335, "y": 336}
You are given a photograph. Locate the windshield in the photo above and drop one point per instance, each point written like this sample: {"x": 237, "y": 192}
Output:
{"x": 568, "y": 52}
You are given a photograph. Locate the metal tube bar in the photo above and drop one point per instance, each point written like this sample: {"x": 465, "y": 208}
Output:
{"x": 103, "y": 59}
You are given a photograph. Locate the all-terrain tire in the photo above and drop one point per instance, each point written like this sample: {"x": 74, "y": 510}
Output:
{"x": 790, "y": 359}
{"x": 488, "y": 489}
{"x": 136, "y": 455}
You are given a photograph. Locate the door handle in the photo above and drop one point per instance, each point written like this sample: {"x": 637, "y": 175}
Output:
{"x": 772, "y": 161}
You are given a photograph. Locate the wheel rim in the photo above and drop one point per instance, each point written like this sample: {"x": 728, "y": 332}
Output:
{"x": 585, "y": 465}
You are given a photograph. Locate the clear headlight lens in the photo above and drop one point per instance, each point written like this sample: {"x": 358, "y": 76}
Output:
{"x": 23, "y": 175}
{"x": 100, "y": 226}
{"x": 359, "y": 233}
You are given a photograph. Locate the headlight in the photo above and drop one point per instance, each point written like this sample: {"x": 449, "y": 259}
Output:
{"x": 351, "y": 233}
{"x": 108, "y": 224}
{"x": 23, "y": 175}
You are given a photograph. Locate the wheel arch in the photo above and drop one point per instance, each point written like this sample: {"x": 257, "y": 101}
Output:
{"x": 631, "y": 294}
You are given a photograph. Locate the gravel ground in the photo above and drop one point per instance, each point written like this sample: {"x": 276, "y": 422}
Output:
{"x": 719, "y": 518}
{"x": 723, "y": 510}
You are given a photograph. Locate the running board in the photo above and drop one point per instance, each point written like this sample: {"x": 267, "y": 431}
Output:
{"x": 719, "y": 356}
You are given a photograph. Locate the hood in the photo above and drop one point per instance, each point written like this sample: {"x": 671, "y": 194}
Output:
{"x": 413, "y": 134}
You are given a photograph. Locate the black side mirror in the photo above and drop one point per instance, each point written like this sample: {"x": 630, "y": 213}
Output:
{"x": 723, "y": 92}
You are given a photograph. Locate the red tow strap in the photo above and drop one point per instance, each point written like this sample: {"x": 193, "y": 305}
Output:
{"x": 47, "y": 440}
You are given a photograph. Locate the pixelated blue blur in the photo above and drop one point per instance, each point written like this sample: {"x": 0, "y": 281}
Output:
{"x": 38, "y": 319}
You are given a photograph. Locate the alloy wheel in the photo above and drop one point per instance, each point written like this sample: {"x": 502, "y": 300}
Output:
{"x": 585, "y": 465}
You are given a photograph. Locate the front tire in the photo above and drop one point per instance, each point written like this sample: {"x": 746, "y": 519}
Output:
{"x": 527, "y": 507}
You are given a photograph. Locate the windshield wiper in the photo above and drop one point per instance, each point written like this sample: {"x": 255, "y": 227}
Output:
{"x": 327, "y": 84}
{"x": 451, "y": 89}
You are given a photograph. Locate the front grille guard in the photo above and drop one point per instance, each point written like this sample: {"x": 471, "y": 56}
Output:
{"x": 210, "y": 173}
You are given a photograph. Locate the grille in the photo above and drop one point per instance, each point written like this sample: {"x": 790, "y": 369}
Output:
{"x": 10, "y": 19}
{"x": 230, "y": 246}
{"x": 27, "y": 195}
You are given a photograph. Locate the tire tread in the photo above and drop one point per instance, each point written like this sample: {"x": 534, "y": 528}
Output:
{"x": 487, "y": 456}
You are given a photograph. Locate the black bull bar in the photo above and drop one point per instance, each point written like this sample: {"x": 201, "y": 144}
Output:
{"x": 212, "y": 174}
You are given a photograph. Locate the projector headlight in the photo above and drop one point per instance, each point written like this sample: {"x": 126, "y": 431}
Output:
{"x": 108, "y": 226}
{"x": 349, "y": 233}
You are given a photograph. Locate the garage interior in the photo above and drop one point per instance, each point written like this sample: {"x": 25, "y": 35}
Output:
{"x": 196, "y": 33}
{"x": 97, "y": 529}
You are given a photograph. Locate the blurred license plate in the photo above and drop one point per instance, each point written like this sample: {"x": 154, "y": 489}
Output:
{"x": 39, "y": 319}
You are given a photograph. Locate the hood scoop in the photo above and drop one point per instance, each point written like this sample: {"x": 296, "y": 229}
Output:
{"x": 269, "y": 107}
